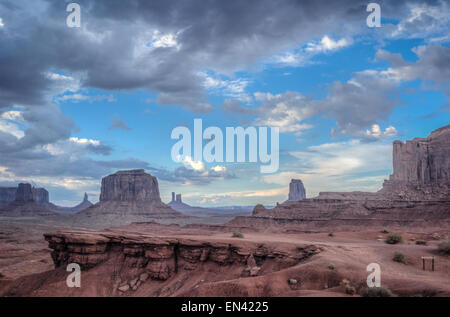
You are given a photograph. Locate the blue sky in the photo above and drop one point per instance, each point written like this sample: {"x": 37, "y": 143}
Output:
{"x": 340, "y": 92}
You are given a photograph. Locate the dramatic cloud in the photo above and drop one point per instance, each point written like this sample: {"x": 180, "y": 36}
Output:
{"x": 357, "y": 104}
{"x": 424, "y": 20}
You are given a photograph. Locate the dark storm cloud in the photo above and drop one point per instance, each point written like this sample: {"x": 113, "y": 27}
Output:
{"x": 111, "y": 50}
{"x": 161, "y": 46}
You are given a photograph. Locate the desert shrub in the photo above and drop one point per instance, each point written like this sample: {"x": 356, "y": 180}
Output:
{"x": 351, "y": 290}
{"x": 399, "y": 257}
{"x": 444, "y": 247}
{"x": 331, "y": 266}
{"x": 384, "y": 231}
{"x": 421, "y": 242}
{"x": 238, "y": 235}
{"x": 428, "y": 293}
{"x": 331, "y": 234}
{"x": 377, "y": 292}
{"x": 394, "y": 238}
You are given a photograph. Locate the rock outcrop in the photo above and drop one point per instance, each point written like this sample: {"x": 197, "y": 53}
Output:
{"x": 24, "y": 193}
{"x": 72, "y": 210}
{"x": 133, "y": 185}
{"x": 128, "y": 196}
{"x": 421, "y": 168}
{"x": 28, "y": 202}
{"x": 7, "y": 195}
{"x": 296, "y": 190}
{"x": 132, "y": 262}
{"x": 417, "y": 194}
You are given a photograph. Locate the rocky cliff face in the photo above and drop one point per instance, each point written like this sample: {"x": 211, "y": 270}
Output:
{"x": 132, "y": 261}
{"x": 7, "y": 195}
{"x": 296, "y": 190}
{"x": 134, "y": 185}
{"x": 41, "y": 196}
{"x": 423, "y": 160}
{"x": 421, "y": 167}
{"x": 24, "y": 193}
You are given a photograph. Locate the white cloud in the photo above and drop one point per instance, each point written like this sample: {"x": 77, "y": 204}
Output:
{"x": 235, "y": 88}
{"x": 376, "y": 132}
{"x": 219, "y": 168}
{"x": 11, "y": 128}
{"x": 80, "y": 97}
{"x": 165, "y": 40}
{"x": 327, "y": 44}
{"x": 1, "y": 23}
{"x": 302, "y": 56}
{"x": 198, "y": 166}
{"x": 286, "y": 111}
{"x": 424, "y": 20}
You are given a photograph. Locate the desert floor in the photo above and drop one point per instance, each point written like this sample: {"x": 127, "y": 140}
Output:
{"x": 344, "y": 257}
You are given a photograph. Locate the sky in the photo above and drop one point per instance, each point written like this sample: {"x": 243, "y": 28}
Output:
{"x": 80, "y": 103}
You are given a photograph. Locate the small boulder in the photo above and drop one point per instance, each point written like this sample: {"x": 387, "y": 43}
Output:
{"x": 124, "y": 288}
{"x": 143, "y": 277}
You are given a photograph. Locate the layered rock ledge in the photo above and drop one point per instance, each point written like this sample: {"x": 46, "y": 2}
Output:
{"x": 136, "y": 258}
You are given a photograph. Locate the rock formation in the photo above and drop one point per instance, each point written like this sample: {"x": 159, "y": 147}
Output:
{"x": 128, "y": 196}
{"x": 417, "y": 194}
{"x": 28, "y": 201}
{"x": 7, "y": 195}
{"x": 134, "y": 185}
{"x": 178, "y": 199}
{"x": 133, "y": 262}
{"x": 72, "y": 210}
{"x": 24, "y": 194}
{"x": 296, "y": 190}
{"x": 421, "y": 168}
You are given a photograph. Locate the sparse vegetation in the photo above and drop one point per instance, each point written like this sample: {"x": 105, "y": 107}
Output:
{"x": 444, "y": 247}
{"x": 238, "y": 235}
{"x": 384, "y": 231}
{"x": 331, "y": 266}
{"x": 394, "y": 239}
{"x": 377, "y": 292}
{"x": 350, "y": 290}
{"x": 399, "y": 257}
{"x": 331, "y": 234}
{"x": 428, "y": 293}
{"x": 421, "y": 242}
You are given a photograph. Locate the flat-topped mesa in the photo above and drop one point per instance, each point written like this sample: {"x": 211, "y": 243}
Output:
{"x": 133, "y": 185}
{"x": 421, "y": 165}
{"x": 296, "y": 190}
{"x": 24, "y": 193}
